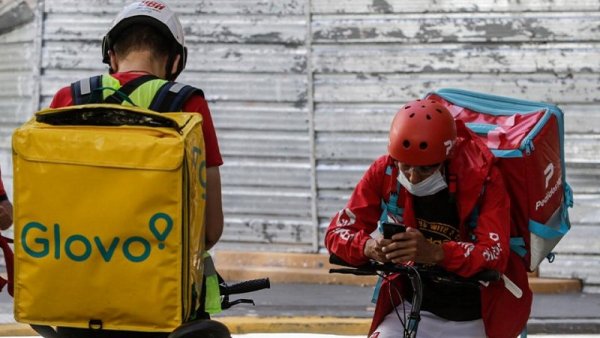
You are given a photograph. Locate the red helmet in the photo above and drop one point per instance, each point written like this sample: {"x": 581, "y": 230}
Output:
{"x": 422, "y": 133}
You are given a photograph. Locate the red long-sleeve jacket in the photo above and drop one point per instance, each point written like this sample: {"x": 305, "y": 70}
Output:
{"x": 504, "y": 314}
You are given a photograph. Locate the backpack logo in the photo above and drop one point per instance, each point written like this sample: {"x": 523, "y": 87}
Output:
{"x": 448, "y": 145}
{"x": 548, "y": 172}
{"x": 78, "y": 248}
{"x": 201, "y": 167}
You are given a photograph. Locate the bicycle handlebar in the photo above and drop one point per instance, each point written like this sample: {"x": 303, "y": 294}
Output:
{"x": 241, "y": 287}
{"x": 203, "y": 326}
{"x": 245, "y": 286}
{"x": 373, "y": 268}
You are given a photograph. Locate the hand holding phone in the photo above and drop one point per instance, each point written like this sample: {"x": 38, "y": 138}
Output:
{"x": 390, "y": 229}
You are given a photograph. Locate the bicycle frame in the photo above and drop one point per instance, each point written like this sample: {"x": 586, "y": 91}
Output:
{"x": 414, "y": 275}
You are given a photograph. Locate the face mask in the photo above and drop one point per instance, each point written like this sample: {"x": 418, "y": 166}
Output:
{"x": 426, "y": 187}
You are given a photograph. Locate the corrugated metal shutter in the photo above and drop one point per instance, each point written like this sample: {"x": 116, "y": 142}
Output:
{"x": 250, "y": 59}
{"x": 372, "y": 56}
{"x": 302, "y": 93}
{"x": 18, "y": 88}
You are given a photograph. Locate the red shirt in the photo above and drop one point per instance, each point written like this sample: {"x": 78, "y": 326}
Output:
{"x": 196, "y": 103}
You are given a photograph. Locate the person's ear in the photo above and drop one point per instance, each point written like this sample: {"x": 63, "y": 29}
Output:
{"x": 114, "y": 64}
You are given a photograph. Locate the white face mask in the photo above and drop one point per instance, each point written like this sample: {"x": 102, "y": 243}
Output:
{"x": 429, "y": 186}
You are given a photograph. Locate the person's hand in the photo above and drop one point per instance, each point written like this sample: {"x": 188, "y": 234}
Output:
{"x": 412, "y": 246}
{"x": 373, "y": 249}
{"x": 5, "y": 218}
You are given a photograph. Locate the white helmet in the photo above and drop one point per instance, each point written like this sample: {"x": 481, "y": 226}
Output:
{"x": 154, "y": 13}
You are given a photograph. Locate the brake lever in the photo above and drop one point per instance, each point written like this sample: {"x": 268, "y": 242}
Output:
{"x": 229, "y": 304}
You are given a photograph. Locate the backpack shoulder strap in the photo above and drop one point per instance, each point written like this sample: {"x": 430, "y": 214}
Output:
{"x": 85, "y": 90}
{"x": 474, "y": 215}
{"x": 391, "y": 189}
{"x": 172, "y": 96}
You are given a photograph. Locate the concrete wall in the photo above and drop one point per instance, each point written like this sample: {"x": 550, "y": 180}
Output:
{"x": 302, "y": 93}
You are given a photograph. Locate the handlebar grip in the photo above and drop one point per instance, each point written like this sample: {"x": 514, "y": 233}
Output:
{"x": 486, "y": 276}
{"x": 333, "y": 259}
{"x": 245, "y": 286}
{"x": 353, "y": 271}
{"x": 483, "y": 276}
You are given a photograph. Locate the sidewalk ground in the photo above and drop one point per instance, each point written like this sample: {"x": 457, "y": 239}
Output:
{"x": 343, "y": 309}
{"x": 311, "y": 307}
{"x": 311, "y": 335}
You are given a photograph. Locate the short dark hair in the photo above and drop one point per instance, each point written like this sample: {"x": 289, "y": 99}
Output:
{"x": 142, "y": 37}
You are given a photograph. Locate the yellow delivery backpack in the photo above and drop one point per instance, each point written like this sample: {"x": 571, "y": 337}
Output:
{"x": 109, "y": 218}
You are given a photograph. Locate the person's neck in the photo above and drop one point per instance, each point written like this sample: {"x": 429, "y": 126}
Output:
{"x": 141, "y": 62}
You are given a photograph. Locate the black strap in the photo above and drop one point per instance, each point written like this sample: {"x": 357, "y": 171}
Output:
{"x": 184, "y": 94}
{"x": 172, "y": 96}
{"x": 45, "y": 331}
{"x": 86, "y": 90}
{"x": 160, "y": 95}
{"x": 119, "y": 96}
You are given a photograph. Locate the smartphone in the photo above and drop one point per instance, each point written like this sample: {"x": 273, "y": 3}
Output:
{"x": 390, "y": 229}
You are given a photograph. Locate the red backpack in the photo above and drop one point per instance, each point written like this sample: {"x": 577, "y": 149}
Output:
{"x": 527, "y": 138}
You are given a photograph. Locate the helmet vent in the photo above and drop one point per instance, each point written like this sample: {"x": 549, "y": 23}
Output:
{"x": 428, "y": 117}
{"x": 423, "y": 145}
{"x": 406, "y": 144}
{"x": 439, "y": 111}
{"x": 411, "y": 115}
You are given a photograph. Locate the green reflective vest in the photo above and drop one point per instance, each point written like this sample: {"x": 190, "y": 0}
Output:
{"x": 141, "y": 96}
{"x": 212, "y": 301}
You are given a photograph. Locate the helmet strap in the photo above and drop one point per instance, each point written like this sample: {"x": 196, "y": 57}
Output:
{"x": 110, "y": 70}
{"x": 105, "y": 56}
{"x": 169, "y": 67}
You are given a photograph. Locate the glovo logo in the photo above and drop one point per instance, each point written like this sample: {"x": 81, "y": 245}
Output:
{"x": 79, "y": 248}
{"x": 200, "y": 167}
